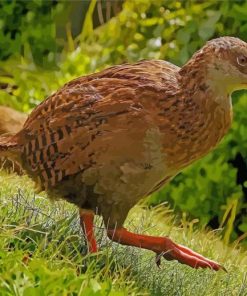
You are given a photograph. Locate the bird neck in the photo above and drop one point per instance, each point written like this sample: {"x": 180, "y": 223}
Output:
{"x": 200, "y": 119}
{"x": 200, "y": 80}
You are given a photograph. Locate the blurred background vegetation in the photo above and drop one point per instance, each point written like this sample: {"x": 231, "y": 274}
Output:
{"x": 43, "y": 44}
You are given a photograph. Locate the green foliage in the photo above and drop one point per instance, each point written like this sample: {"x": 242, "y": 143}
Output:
{"x": 162, "y": 29}
{"x": 28, "y": 27}
{"x": 170, "y": 30}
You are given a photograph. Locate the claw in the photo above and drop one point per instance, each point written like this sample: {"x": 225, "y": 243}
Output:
{"x": 158, "y": 260}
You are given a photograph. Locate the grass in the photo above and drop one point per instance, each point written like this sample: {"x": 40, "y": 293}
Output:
{"x": 42, "y": 252}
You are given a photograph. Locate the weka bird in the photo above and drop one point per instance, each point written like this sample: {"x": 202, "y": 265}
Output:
{"x": 106, "y": 140}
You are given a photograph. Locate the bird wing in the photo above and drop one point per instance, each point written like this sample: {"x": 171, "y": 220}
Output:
{"x": 58, "y": 137}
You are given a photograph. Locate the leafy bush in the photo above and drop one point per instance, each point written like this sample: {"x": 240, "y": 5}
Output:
{"x": 28, "y": 26}
{"x": 214, "y": 189}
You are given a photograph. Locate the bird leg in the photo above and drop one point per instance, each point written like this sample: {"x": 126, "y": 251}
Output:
{"x": 86, "y": 221}
{"x": 162, "y": 246}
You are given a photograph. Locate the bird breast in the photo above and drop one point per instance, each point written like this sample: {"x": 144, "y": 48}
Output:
{"x": 195, "y": 128}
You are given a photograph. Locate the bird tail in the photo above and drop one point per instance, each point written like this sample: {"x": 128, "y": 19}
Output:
{"x": 8, "y": 146}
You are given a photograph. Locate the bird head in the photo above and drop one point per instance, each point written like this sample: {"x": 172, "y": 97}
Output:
{"x": 222, "y": 63}
{"x": 227, "y": 63}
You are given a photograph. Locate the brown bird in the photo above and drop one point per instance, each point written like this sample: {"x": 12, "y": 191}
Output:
{"x": 106, "y": 140}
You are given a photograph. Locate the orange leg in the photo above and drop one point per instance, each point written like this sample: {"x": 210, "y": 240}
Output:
{"x": 86, "y": 220}
{"x": 162, "y": 246}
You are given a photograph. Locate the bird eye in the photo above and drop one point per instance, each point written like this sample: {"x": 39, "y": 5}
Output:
{"x": 242, "y": 60}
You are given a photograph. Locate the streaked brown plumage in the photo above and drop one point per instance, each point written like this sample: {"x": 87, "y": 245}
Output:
{"x": 108, "y": 139}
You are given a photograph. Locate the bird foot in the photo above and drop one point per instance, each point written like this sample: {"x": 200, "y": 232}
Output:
{"x": 184, "y": 255}
{"x": 163, "y": 247}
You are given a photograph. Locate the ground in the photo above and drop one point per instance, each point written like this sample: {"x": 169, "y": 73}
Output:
{"x": 42, "y": 252}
